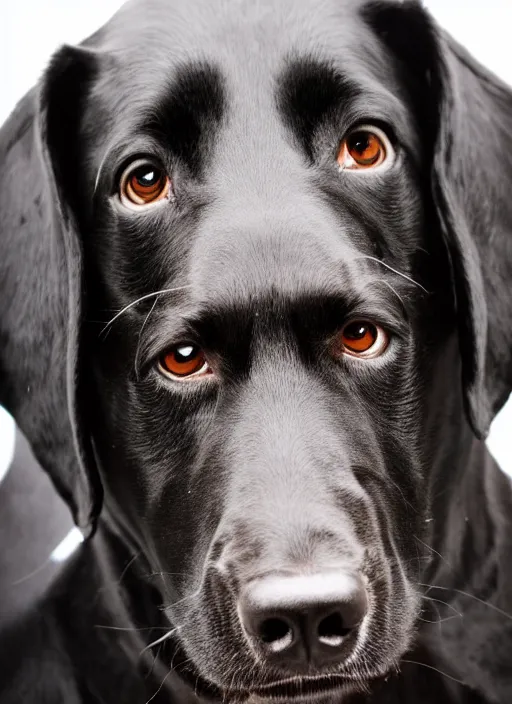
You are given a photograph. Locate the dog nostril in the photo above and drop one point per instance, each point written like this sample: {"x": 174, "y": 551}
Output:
{"x": 331, "y": 630}
{"x": 276, "y": 634}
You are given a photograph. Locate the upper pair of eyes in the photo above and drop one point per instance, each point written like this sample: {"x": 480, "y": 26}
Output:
{"x": 144, "y": 183}
{"x": 358, "y": 338}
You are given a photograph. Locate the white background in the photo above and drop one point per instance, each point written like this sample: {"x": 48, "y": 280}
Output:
{"x": 30, "y": 30}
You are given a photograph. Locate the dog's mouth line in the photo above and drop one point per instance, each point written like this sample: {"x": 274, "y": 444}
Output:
{"x": 296, "y": 687}
{"x": 301, "y": 686}
{"x": 300, "y": 679}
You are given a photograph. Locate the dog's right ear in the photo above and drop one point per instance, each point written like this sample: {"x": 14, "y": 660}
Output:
{"x": 465, "y": 114}
{"x": 41, "y": 281}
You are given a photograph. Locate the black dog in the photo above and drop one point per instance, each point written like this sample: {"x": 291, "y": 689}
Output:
{"x": 255, "y": 320}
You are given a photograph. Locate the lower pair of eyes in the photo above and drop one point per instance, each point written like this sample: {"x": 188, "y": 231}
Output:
{"x": 144, "y": 183}
{"x": 358, "y": 338}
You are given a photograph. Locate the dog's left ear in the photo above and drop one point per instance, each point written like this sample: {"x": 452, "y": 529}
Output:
{"x": 42, "y": 289}
{"x": 465, "y": 113}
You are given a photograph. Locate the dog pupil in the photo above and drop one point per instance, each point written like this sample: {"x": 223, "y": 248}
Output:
{"x": 360, "y": 142}
{"x": 183, "y": 354}
{"x": 356, "y": 332}
{"x": 147, "y": 178}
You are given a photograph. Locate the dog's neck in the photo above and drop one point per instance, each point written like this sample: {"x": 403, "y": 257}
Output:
{"x": 127, "y": 616}
{"x": 467, "y": 584}
{"x": 471, "y": 501}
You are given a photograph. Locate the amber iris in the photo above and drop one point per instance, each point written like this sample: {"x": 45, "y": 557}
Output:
{"x": 362, "y": 149}
{"x": 145, "y": 184}
{"x": 359, "y": 336}
{"x": 183, "y": 360}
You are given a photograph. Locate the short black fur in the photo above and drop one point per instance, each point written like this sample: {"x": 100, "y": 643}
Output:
{"x": 291, "y": 459}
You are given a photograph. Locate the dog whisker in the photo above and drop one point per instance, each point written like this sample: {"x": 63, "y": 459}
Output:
{"x": 194, "y": 595}
{"x": 470, "y": 596}
{"x": 139, "y": 300}
{"x": 137, "y": 351}
{"x": 163, "y": 574}
{"x": 395, "y": 271}
{"x": 397, "y": 487}
{"x": 432, "y": 550}
{"x": 32, "y": 574}
{"x": 117, "y": 582}
{"x": 445, "y": 603}
{"x": 130, "y": 628}
{"x": 160, "y": 688}
{"x": 392, "y": 288}
{"x": 127, "y": 567}
{"x": 436, "y": 669}
{"x": 440, "y": 620}
{"x": 155, "y": 658}
{"x": 163, "y": 638}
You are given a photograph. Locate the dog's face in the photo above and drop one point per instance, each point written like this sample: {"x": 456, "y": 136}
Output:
{"x": 264, "y": 418}
{"x": 252, "y": 188}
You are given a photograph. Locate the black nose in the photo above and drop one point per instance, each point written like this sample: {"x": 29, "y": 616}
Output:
{"x": 306, "y": 619}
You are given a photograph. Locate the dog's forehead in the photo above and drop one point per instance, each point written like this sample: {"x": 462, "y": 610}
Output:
{"x": 197, "y": 24}
{"x": 248, "y": 49}
{"x": 262, "y": 203}
{"x": 149, "y": 41}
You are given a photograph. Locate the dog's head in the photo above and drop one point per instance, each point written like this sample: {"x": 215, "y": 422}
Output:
{"x": 255, "y": 273}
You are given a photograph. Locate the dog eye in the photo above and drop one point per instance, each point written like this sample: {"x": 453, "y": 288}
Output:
{"x": 184, "y": 361}
{"x": 361, "y": 338}
{"x": 143, "y": 183}
{"x": 364, "y": 148}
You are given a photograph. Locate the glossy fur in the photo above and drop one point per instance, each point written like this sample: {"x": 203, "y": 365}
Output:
{"x": 290, "y": 457}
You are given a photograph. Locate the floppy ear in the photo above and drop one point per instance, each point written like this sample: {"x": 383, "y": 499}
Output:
{"x": 41, "y": 282}
{"x": 467, "y": 119}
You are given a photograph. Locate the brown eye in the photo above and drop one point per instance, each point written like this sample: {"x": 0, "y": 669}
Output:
{"x": 364, "y": 148}
{"x": 143, "y": 183}
{"x": 183, "y": 361}
{"x": 361, "y": 338}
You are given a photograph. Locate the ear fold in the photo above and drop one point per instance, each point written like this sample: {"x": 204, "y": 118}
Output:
{"x": 467, "y": 124}
{"x": 41, "y": 283}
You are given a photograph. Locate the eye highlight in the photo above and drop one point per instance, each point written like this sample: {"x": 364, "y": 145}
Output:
{"x": 364, "y": 148}
{"x": 183, "y": 362}
{"x": 143, "y": 184}
{"x": 362, "y": 338}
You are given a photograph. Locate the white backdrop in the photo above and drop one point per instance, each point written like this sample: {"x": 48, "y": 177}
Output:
{"x": 31, "y": 30}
